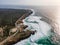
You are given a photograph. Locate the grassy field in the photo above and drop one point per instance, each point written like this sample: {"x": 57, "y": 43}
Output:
{"x": 10, "y": 16}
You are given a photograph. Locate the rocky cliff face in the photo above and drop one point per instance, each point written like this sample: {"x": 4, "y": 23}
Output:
{"x": 8, "y": 17}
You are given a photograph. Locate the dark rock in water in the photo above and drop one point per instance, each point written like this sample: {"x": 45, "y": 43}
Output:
{"x": 33, "y": 32}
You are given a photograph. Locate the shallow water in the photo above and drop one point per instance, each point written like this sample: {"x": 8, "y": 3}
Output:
{"x": 43, "y": 34}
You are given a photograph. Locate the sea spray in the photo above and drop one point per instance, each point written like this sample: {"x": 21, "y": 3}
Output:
{"x": 42, "y": 35}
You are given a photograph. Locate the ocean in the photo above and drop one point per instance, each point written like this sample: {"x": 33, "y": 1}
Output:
{"x": 34, "y": 22}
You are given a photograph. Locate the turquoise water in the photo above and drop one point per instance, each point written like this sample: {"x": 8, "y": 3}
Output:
{"x": 43, "y": 34}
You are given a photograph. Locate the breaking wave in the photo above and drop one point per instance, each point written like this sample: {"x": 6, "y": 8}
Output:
{"x": 42, "y": 36}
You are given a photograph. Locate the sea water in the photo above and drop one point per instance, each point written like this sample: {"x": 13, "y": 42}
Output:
{"x": 43, "y": 32}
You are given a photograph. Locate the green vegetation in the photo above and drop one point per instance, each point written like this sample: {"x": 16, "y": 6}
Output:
{"x": 8, "y": 17}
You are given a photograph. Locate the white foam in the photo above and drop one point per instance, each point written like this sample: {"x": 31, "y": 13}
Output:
{"x": 34, "y": 23}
